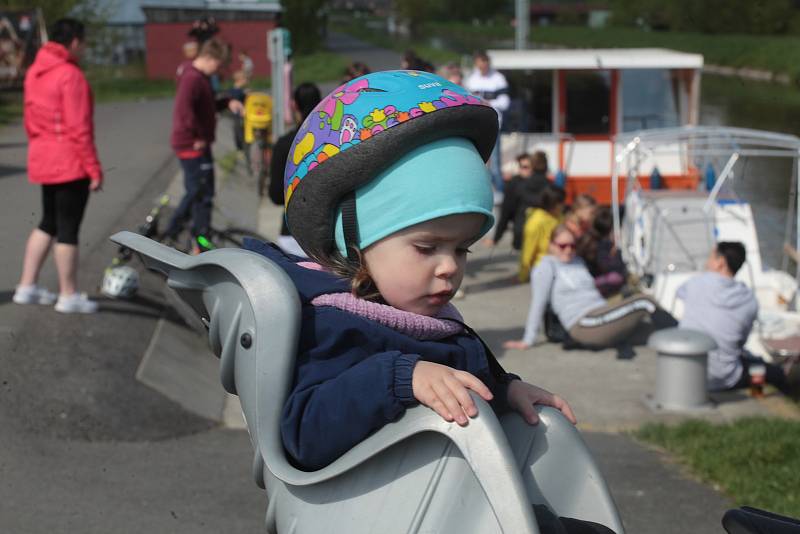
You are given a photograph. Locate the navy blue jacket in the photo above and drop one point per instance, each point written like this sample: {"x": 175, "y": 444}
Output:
{"x": 353, "y": 374}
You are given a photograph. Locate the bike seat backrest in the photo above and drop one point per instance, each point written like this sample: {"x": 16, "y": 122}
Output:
{"x": 252, "y": 312}
{"x": 258, "y": 110}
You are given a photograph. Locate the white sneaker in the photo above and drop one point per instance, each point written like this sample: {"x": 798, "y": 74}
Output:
{"x": 34, "y": 295}
{"x": 75, "y": 303}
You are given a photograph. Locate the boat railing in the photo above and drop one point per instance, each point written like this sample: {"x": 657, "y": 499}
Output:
{"x": 699, "y": 145}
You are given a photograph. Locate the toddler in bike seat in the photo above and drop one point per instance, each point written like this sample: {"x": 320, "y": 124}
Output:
{"x": 386, "y": 189}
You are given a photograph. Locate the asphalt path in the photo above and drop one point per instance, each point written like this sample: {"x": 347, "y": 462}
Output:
{"x": 84, "y": 447}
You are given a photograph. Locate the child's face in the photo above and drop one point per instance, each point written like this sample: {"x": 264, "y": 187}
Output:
{"x": 419, "y": 269}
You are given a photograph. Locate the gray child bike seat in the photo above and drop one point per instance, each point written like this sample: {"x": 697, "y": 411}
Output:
{"x": 418, "y": 474}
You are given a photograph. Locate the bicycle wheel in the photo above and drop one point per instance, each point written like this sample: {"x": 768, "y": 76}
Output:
{"x": 234, "y": 237}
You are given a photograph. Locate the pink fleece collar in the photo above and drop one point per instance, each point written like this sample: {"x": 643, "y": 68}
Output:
{"x": 445, "y": 324}
{"x": 415, "y": 325}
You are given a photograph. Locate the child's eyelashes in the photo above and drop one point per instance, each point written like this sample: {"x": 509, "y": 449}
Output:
{"x": 431, "y": 249}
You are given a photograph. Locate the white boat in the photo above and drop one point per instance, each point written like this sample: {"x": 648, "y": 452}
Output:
{"x": 667, "y": 235}
{"x": 574, "y": 104}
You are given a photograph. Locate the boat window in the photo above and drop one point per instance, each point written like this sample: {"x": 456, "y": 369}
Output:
{"x": 531, "y": 108}
{"x": 649, "y": 99}
{"x": 588, "y": 102}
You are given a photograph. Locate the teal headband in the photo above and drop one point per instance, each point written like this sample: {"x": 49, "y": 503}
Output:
{"x": 445, "y": 177}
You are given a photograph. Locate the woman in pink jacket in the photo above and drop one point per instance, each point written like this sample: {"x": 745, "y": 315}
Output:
{"x": 63, "y": 159}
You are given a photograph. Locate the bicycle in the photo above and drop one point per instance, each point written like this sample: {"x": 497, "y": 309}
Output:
{"x": 229, "y": 237}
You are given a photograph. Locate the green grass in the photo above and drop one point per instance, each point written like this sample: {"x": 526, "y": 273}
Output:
{"x": 319, "y": 67}
{"x": 365, "y": 29}
{"x": 112, "y": 84}
{"x": 322, "y": 66}
{"x": 780, "y": 54}
{"x": 755, "y": 461}
{"x": 130, "y": 83}
{"x": 774, "y": 53}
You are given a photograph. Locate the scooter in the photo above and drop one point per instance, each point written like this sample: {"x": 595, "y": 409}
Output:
{"x": 418, "y": 474}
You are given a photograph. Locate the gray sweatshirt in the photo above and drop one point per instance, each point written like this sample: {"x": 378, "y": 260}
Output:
{"x": 568, "y": 287}
{"x": 724, "y": 309}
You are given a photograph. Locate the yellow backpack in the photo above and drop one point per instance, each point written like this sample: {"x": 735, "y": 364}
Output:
{"x": 257, "y": 115}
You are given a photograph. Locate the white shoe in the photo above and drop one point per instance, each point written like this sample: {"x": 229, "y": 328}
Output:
{"x": 34, "y": 295}
{"x": 75, "y": 303}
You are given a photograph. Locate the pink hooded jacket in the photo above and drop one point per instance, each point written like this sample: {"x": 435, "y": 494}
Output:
{"x": 59, "y": 119}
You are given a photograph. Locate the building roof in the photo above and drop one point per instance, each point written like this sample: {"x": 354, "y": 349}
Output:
{"x": 594, "y": 59}
{"x": 218, "y": 5}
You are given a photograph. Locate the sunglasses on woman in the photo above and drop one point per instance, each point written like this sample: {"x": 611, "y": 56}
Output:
{"x": 565, "y": 246}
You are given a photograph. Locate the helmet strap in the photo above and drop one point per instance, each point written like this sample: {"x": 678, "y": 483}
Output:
{"x": 350, "y": 227}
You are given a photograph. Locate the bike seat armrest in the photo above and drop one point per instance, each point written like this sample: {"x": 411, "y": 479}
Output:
{"x": 482, "y": 443}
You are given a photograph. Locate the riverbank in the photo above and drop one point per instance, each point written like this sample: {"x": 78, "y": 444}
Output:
{"x": 764, "y": 58}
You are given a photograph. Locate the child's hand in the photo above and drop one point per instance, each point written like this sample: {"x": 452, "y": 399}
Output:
{"x": 236, "y": 107}
{"x": 522, "y": 397}
{"x": 444, "y": 390}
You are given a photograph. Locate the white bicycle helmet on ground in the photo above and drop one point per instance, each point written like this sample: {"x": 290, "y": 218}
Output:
{"x": 120, "y": 282}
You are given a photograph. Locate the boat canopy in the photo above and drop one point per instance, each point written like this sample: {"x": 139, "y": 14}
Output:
{"x": 700, "y": 147}
{"x": 594, "y": 59}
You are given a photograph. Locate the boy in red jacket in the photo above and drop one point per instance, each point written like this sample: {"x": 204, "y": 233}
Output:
{"x": 194, "y": 121}
{"x": 62, "y": 158}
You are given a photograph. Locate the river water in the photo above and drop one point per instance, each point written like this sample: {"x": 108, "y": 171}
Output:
{"x": 765, "y": 183}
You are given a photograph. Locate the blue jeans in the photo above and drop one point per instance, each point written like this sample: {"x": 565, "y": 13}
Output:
{"x": 197, "y": 202}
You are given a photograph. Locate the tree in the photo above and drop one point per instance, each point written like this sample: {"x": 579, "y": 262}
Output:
{"x": 305, "y": 20}
{"x": 766, "y": 17}
{"x": 51, "y": 9}
{"x": 416, "y": 12}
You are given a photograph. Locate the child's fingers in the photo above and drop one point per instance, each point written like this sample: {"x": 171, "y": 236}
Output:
{"x": 565, "y": 408}
{"x": 437, "y": 405}
{"x": 558, "y": 403}
{"x": 451, "y": 402}
{"x": 461, "y": 394}
{"x": 472, "y": 382}
{"x": 528, "y": 412}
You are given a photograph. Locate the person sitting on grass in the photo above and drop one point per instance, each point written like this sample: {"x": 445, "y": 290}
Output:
{"x": 717, "y": 304}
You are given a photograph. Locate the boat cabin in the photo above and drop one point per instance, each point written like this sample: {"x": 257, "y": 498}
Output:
{"x": 573, "y": 104}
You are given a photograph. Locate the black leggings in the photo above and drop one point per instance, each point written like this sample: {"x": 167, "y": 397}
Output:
{"x": 63, "y": 206}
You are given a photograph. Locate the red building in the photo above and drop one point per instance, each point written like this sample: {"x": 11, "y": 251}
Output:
{"x": 243, "y": 25}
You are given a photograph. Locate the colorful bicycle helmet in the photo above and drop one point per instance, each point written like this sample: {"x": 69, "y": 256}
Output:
{"x": 359, "y": 131}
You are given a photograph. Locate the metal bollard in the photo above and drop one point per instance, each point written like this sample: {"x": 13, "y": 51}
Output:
{"x": 681, "y": 369}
